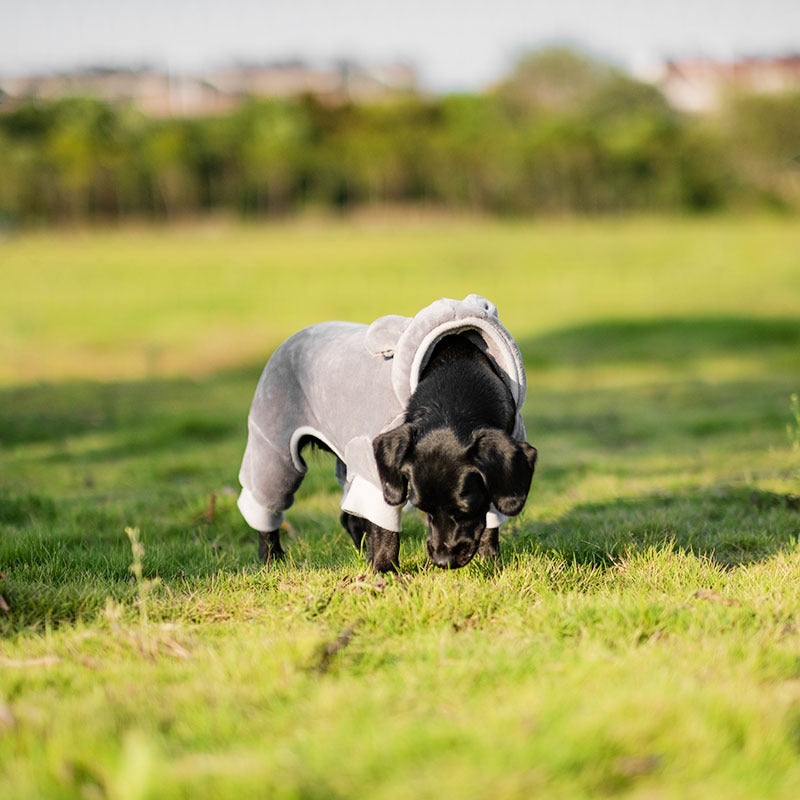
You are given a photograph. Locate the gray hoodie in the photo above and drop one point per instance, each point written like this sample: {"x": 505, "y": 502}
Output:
{"x": 344, "y": 383}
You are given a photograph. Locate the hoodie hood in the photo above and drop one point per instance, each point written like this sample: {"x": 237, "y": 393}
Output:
{"x": 409, "y": 342}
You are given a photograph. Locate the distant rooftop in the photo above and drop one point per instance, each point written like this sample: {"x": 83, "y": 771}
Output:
{"x": 700, "y": 84}
{"x": 697, "y": 84}
{"x": 215, "y": 92}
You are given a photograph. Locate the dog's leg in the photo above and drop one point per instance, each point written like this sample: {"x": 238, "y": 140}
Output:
{"x": 383, "y": 547}
{"x": 269, "y": 547}
{"x": 355, "y": 526}
{"x": 489, "y": 545}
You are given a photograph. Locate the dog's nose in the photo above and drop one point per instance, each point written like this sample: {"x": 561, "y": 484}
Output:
{"x": 458, "y": 556}
{"x": 439, "y": 559}
{"x": 443, "y": 562}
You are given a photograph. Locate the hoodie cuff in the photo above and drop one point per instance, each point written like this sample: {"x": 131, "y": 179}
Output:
{"x": 255, "y": 515}
{"x": 366, "y": 500}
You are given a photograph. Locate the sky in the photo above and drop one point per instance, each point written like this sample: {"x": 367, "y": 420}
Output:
{"x": 454, "y": 44}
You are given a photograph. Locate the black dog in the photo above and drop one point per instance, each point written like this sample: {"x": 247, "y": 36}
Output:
{"x": 452, "y": 458}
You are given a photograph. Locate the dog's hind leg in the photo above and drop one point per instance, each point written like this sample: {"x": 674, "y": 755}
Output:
{"x": 355, "y": 526}
{"x": 269, "y": 546}
{"x": 382, "y": 546}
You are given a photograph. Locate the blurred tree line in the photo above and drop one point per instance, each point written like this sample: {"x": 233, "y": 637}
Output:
{"x": 562, "y": 134}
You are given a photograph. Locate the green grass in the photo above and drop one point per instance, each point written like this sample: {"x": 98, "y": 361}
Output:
{"x": 153, "y": 302}
{"x": 640, "y": 637}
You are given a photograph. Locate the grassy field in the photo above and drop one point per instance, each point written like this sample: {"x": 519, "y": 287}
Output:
{"x": 640, "y": 637}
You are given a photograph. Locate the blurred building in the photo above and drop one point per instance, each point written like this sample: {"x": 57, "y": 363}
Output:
{"x": 153, "y": 92}
{"x": 701, "y": 84}
{"x": 160, "y": 94}
{"x": 692, "y": 84}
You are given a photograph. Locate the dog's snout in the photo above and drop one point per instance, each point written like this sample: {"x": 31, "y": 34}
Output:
{"x": 453, "y": 557}
{"x": 434, "y": 555}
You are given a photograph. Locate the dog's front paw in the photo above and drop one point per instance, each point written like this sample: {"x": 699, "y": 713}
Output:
{"x": 489, "y": 545}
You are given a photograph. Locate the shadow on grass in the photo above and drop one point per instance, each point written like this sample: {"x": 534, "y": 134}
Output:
{"x": 666, "y": 341}
{"x": 168, "y": 410}
{"x": 732, "y": 526}
{"x": 179, "y": 409}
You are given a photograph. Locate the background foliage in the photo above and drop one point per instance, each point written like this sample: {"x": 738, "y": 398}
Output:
{"x": 563, "y": 133}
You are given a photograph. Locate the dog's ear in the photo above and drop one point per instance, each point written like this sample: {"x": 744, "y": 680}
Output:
{"x": 507, "y": 467}
{"x": 392, "y": 450}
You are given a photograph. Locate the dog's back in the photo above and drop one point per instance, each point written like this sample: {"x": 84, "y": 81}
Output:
{"x": 460, "y": 389}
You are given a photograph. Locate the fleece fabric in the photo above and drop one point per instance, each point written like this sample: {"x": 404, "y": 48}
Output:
{"x": 344, "y": 383}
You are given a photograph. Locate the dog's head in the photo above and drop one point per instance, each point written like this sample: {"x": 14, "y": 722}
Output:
{"x": 454, "y": 484}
